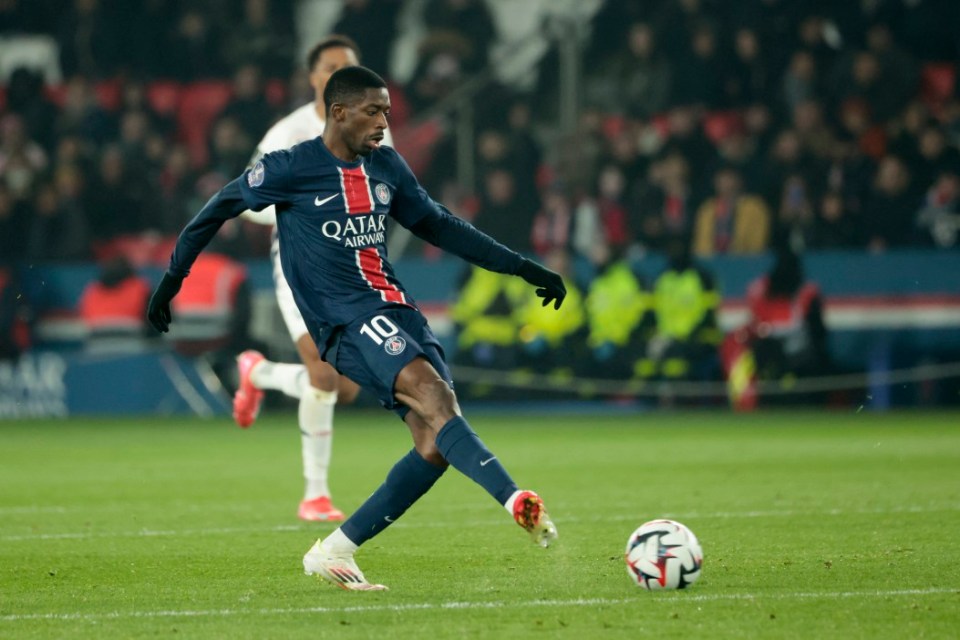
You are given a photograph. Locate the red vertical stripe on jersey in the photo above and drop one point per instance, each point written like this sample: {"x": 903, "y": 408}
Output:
{"x": 371, "y": 267}
{"x": 356, "y": 190}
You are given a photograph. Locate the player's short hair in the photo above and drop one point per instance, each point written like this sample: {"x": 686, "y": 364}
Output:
{"x": 349, "y": 84}
{"x": 330, "y": 42}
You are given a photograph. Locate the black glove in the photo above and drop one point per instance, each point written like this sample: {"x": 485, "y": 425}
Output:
{"x": 550, "y": 283}
{"x": 158, "y": 309}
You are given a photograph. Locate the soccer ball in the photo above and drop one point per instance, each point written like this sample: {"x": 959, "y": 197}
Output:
{"x": 663, "y": 554}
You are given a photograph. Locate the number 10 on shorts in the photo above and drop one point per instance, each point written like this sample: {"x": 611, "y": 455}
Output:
{"x": 378, "y": 328}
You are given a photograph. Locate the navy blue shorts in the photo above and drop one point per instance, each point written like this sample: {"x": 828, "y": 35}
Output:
{"x": 373, "y": 349}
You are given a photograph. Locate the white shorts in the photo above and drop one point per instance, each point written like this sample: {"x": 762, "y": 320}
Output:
{"x": 288, "y": 307}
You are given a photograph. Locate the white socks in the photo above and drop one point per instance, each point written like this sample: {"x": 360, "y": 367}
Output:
{"x": 508, "y": 505}
{"x": 291, "y": 379}
{"x": 337, "y": 544}
{"x": 316, "y": 438}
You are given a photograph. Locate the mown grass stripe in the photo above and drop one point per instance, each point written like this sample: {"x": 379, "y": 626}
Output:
{"x": 673, "y": 600}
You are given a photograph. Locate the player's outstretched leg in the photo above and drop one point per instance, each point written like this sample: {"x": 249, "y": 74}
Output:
{"x": 463, "y": 449}
{"x": 248, "y": 398}
{"x": 257, "y": 374}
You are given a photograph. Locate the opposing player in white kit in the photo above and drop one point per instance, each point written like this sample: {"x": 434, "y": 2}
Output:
{"x": 318, "y": 386}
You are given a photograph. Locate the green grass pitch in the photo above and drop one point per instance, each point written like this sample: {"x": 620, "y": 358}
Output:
{"x": 814, "y": 525}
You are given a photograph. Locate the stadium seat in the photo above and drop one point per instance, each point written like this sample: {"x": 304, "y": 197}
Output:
{"x": 613, "y": 126}
{"x": 399, "y": 106}
{"x": 937, "y": 83}
{"x": 56, "y": 93}
{"x": 718, "y": 125}
{"x": 139, "y": 250}
{"x": 275, "y": 90}
{"x": 661, "y": 124}
{"x": 200, "y": 103}
{"x": 416, "y": 143}
{"x": 163, "y": 96}
{"x": 108, "y": 93}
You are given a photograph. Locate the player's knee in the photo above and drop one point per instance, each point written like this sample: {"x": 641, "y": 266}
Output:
{"x": 322, "y": 375}
{"x": 429, "y": 452}
{"x": 437, "y": 400}
{"x": 427, "y": 448}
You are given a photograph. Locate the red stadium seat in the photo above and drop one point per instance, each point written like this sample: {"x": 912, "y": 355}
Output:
{"x": 613, "y": 126}
{"x": 108, "y": 93}
{"x": 163, "y": 96}
{"x": 937, "y": 83}
{"x": 275, "y": 90}
{"x": 399, "y": 106}
{"x": 719, "y": 125}
{"x": 140, "y": 250}
{"x": 200, "y": 103}
{"x": 416, "y": 143}
{"x": 545, "y": 176}
{"x": 661, "y": 124}
{"x": 56, "y": 93}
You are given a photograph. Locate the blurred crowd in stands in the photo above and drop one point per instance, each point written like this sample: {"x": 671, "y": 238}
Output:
{"x": 822, "y": 124}
{"x": 706, "y": 127}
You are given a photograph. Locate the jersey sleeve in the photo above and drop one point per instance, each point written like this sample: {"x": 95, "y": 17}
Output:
{"x": 268, "y": 215}
{"x": 431, "y": 221}
{"x": 225, "y": 204}
{"x": 267, "y": 182}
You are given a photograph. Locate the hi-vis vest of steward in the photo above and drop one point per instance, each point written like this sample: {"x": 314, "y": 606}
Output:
{"x": 681, "y": 302}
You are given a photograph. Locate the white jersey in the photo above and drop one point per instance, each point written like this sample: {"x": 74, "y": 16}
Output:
{"x": 300, "y": 125}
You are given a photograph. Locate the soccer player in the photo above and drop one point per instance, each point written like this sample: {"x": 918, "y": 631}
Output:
{"x": 315, "y": 383}
{"x": 334, "y": 196}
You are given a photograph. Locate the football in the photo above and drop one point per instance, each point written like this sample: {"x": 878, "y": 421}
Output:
{"x": 663, "y": 554}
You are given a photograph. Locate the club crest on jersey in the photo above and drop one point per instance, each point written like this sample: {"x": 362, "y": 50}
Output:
{"x": 255, "y": 176}
{"x": 394, "y": 345}
{"x": 382, "y": 192}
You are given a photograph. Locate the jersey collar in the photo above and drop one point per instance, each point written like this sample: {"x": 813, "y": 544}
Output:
{"x": 335, "y": 159}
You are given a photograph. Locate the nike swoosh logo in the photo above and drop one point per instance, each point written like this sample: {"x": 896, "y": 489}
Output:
{"x": 317, "y": 201}
{"x": 484, "y": 463}
{"x": 388, "y": 518}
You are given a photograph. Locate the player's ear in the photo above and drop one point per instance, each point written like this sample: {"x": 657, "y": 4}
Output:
{"x": 338, "y": 111}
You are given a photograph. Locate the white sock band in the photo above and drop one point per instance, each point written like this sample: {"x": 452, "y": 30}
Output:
{"x": 337, "y": 544}
{"x": 508, "y": 505}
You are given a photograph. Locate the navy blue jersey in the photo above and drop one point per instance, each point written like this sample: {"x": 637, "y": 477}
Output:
{"x": 332, "y": 220}
{"x": 332, "y": 223}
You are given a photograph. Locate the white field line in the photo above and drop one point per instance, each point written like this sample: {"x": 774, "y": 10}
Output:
{"x": 150, "y": 533}
{"x": 688, "y": 515}
{"x": 119, "y": 506}
{"x": 428, "y": 606}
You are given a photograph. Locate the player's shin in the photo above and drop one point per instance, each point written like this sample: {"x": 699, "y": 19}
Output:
{"x": 463, "y": 449}
{"x": 408, "y": 480}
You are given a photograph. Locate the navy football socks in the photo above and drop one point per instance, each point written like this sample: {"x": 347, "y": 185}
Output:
{"x": 407, "y": 481}
{"x": 463, "y": 449}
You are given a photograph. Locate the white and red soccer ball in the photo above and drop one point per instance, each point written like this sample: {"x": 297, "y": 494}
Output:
{"x": 663, "y": 554}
